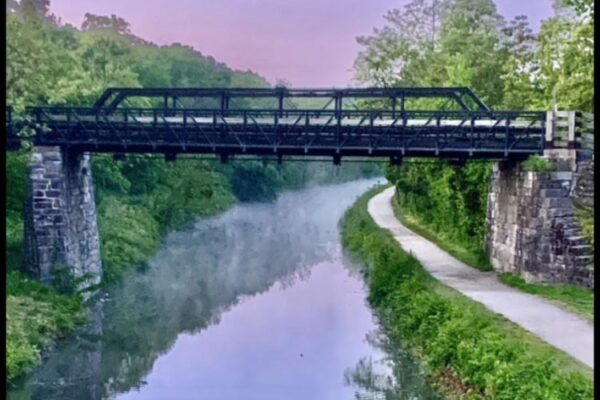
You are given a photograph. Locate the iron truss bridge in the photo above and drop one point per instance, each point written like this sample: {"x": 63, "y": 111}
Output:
{"x": 339, "y": 123}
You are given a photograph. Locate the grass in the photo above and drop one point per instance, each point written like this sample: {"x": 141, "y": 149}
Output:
{"x": 573, "y": 298}
{"x": 36, "y": 315}
{"x": 475, "y": 258}
{"x": 585, "y": 216}
{"x": 467, "y": 351}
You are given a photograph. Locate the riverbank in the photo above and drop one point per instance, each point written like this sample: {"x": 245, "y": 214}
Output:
{"x": 569, "y": 297}
{"x": 465, "y": 349}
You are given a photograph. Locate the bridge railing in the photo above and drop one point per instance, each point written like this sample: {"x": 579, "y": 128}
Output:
{"x": 570, "y": 130}
{"x": 73, "y": 114}
{"x": 584, "y": 130}
{"x": 364, "y": 130}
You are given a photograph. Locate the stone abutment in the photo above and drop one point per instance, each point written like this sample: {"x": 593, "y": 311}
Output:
{"x": 532, "y": 229}
{"x": 62, "y": 244}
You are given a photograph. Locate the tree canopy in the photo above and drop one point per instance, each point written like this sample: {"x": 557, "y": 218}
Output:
{"x": 468, "y": 43}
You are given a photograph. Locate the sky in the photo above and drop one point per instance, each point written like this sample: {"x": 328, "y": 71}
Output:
{"x": 308, "y": 43}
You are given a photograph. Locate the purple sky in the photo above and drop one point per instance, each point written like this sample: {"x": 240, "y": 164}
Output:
{"x": 310, "y": 43}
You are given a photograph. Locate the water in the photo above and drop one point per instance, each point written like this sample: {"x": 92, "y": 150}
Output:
{"x": 257, "y": 303}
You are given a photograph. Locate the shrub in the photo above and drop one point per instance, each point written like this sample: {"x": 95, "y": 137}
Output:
{"x": 35, "y": 315}
{"x": 537, "y": 164}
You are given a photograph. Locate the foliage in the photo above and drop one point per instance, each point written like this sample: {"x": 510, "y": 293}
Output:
{"x": 468, "y": 43}
{"x": 537, "y": 164}
{"x": 446, "y": 199}
{"x": 475, "y": 257}
{"x": 129, "y": 235}
{"x": 97, "y": 22}
{"x": 571, "y": 297}
{"x": 251, "y": 181}
{"x": 35, "y": 315}
{"x": 16, "y": 164}
{"x": 450, "y": 333}
{"x": 585, "y": 216}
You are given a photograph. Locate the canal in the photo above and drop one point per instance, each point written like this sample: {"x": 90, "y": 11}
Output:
{"x": 259, "y": 302}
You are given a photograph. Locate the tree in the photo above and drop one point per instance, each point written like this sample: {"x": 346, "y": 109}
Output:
{"x": 396, "y": 53}
{"x": 521, "y": 70}
{"x": 566, "y": 58}
{"x": 35, "y": 10}
{"x": 473, "y": 28}
{"x": 100, "y": 22}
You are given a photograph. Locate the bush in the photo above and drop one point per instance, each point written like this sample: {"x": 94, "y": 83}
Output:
{"x": 129, "y": 236}
{"x": 537, "y": 164}
{"x": 35, "y": 315}
{"x": 446, "y": 199}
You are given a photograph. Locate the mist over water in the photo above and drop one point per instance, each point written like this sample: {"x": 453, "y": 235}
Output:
{"x": 256, "y": 303}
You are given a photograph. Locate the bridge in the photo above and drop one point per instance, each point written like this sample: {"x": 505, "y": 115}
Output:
{"x": 370, "y": 122}
{"x": 60, "y": 214}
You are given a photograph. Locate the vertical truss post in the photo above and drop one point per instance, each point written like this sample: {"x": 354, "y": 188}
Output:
{"x": 437, "y": 136}
{"x": 571, "y": 130}
{"x": 280, "y": 104}
{"x": 224, "y": 104}
{"x": 276, "y": 131}
{"x": 473, "y": 134}
{"x": 338, "y": 116}
{"x": 126, "y": 118}
{"x": 550, "y": 128}
{"x": 394, "y": 100}
{"x": 506, "y": 134}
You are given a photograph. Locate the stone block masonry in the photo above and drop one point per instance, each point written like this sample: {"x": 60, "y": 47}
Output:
{"x": 583, "y": 183}
{"x": 532, "y": 229}
{"x": 61, "y": 228}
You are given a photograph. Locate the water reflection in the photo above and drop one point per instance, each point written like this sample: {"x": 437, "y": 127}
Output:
{"x": 154, "y": 323}
{"x": 393, "y": 376}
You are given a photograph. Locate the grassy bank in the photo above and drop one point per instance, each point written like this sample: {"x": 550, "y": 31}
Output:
{"x": 466, "y": 350}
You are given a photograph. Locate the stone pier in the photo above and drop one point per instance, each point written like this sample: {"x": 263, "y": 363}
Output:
{"x": 61, "y": 232}
{"x": 531, "y": 226}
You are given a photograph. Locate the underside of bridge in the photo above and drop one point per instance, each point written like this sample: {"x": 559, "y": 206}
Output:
{"x": 394, "y": 123}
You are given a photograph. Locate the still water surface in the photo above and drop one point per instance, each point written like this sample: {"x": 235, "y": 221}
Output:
{"x": 256, "y": 303}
